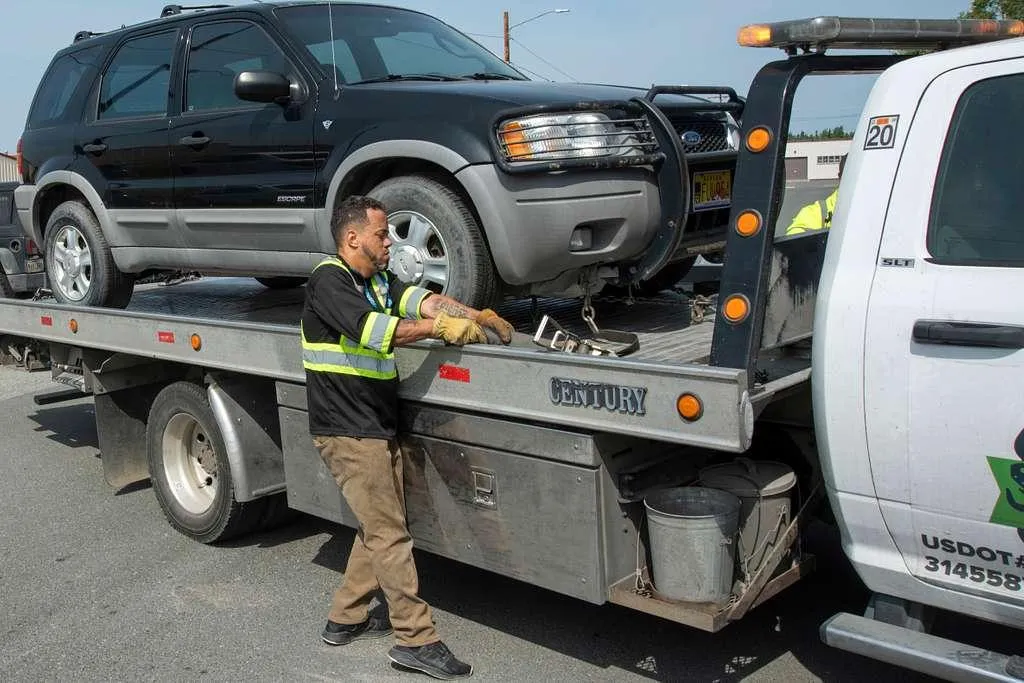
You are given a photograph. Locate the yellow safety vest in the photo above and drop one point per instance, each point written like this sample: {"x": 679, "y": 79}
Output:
{"x": 814, "y": 216}
{"x": 365, "y": 358}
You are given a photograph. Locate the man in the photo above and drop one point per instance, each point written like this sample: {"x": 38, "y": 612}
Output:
{"x": 355, "y": 314}
{"x": 817, "y": 215}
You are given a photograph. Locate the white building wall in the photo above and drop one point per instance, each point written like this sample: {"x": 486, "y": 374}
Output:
{"x": 822, "y": 157}
{"x": 9, "y": 169}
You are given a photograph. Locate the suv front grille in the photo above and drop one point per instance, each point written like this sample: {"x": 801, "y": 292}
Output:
{"x": 713, "y": 136}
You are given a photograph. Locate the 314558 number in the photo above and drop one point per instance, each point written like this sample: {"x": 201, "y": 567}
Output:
{"x": 992, "y": 577}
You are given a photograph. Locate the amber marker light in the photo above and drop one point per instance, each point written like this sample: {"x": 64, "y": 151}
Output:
{"x": 690, "y": 407}
{"x": 759, "y": 139}
{"x": 197, "y": 342}
{"x": 73, "y": 326}
{"x": 748, "y": 223}
{"x": 736, "y": 308}
{"x": 754, "y": 35}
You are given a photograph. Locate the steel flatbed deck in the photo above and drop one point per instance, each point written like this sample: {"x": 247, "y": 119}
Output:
{"x": 243, "y": 327}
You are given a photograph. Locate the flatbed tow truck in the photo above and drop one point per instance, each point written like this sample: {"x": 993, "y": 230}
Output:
{"x": 534, "y": 460}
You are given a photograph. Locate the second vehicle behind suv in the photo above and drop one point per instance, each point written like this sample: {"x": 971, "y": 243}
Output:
{"x": 219, "y": 141}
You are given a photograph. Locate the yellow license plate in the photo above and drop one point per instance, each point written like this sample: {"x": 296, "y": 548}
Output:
{"x": 711, "y": 189}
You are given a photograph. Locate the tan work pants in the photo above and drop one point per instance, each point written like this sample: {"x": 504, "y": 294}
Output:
{"x": 369, "y": 472}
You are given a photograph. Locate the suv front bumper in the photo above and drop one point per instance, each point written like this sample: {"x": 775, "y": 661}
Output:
{"x": 529, "y": 220}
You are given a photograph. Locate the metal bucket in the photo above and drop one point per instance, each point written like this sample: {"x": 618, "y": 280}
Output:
{"x": 691, "y": 532}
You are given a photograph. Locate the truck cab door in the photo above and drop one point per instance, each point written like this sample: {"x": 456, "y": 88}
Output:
{"x": 944, "y": 344}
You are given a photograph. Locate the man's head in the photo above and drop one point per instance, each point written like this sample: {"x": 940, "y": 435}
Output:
{"x": 360, "y": 230}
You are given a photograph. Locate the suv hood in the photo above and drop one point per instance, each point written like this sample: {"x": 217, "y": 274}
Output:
{"x": 523, "y": 93}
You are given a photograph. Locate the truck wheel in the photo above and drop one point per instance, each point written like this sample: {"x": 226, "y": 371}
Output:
{"x": 281, "y": 282}
{"x": 189, "y": 467}
{"x": 438, "y": 243}
{"x": 79, "y": 264}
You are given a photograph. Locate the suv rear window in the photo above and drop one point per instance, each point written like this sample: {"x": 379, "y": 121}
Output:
{"x": 59, "y": 84}
{"x": 973, "y": 217}
{"x": 138, "y": 79}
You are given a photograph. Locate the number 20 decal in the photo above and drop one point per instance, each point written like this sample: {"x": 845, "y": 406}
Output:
{"x": 881, "y": 132}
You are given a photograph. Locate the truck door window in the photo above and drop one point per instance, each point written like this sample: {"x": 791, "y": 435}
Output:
{"x": 220, "y": 51}
{"x": 138, "y": 79}
{"x": 59, "y": 84}
{"x": 973, "y": 220}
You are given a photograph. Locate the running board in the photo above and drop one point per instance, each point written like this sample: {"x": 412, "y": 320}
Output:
{"x": 920, "y": 652}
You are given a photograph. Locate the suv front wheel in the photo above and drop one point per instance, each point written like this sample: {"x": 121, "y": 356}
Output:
{"x": 79, "y": 265}
{"x": 437, "y": 241}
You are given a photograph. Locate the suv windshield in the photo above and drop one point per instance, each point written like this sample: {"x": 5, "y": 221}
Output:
{"x": 378, "y": 43}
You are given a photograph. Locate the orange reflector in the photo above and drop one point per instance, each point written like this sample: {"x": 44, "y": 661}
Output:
{"x": 515, "y": 140}
{"x": 759, "y": 139}
{"x": 748, "y": 223}
{"x": 197, "y": 342}
{"x": 754, "y": 35}
{"x": 1016, "y": 28}
{"x": 690, "y": 407}
{"x": 73, "y": 326}
{"x": 736, "y": 308}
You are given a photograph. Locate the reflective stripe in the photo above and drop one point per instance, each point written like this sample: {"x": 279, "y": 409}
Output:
{"x": 412, "y": 299}
{"x": 343, "y": 363}
{"x": 378, "y": 332}
{"x": 346, "y": 358}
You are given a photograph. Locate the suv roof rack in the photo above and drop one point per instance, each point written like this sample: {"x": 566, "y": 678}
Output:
{"x": 171, "y": 10}
{"x": 820, "y": 33}
{"x": 85, "y": 35}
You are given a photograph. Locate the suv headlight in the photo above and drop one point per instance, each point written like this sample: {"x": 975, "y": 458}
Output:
{"x": 546, "y": 137}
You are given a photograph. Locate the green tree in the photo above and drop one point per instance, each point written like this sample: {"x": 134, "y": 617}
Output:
{"x": 995, "y": 9}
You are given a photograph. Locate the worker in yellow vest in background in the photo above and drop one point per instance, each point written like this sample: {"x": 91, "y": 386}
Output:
{"x": 817, "y": 215}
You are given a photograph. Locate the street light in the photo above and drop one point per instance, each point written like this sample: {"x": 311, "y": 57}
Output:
{"x": 509, "y": 28}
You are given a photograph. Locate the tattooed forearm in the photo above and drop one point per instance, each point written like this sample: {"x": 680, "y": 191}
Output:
{"x": 453, "y": 308}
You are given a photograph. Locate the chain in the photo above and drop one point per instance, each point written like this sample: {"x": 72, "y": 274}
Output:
{"x": 588, "y": 307}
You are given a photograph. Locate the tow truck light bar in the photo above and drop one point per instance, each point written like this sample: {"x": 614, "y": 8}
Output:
{"x": 866, "y": 34}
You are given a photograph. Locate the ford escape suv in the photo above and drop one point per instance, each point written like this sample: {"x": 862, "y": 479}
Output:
{"x": 218, "y": 140}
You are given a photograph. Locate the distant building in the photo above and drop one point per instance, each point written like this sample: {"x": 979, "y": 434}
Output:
{"x": 9, "y": 168}
{"x": 817, "y": 160}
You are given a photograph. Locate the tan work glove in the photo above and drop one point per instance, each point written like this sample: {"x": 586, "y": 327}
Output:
{"x": 489, "y": 318}
{"x": 458, "y": 331}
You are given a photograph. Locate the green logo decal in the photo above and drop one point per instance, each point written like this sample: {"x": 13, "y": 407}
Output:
{"x": 1009, "y": 476}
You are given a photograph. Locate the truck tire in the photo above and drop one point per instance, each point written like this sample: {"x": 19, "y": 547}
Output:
{"x": 189, "y": 468}
{"x": 438, "y": 243}
{"x": 281, "y": 282}
{"x": 79, "y": 265}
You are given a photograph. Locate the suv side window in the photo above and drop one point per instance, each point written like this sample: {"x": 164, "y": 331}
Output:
{"x": 217, "y": 53}
{"x": 973, "y": 221}
{"x": 61, "y": 81}
{"x": 137, "y": 81}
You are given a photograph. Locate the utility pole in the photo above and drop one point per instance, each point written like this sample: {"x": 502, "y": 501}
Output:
{"x": 505, "y": 20}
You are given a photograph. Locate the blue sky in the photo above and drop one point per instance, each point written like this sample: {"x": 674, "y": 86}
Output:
{"x": 629, "y": 42}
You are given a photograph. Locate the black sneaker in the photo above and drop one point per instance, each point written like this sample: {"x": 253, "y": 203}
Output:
{"x": 434, "y": 659}
{"x": 343, "y": 634}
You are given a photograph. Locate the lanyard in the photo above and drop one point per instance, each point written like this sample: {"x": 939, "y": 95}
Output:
{"x": 369, "y": 291}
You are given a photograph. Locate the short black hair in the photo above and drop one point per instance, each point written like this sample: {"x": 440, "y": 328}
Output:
{"x": 351, "y": 212}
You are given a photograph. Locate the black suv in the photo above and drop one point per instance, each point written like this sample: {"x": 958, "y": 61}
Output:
{"x": 218, "y": 140}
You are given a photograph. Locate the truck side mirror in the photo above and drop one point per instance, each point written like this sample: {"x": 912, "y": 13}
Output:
{"x": 263, "y": 86}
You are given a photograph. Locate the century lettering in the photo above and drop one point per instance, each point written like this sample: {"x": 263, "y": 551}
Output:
{"x": 611, "y": 397}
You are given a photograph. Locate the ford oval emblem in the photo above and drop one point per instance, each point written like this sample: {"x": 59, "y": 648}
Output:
{"x": 692, "y": 137}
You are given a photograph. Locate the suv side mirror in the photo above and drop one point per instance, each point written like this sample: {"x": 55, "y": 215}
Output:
{"x": 262, "y": 86}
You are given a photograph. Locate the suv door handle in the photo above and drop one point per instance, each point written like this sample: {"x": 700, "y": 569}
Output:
{"x": 969, "y": 334}
{"x": 94, "y": 147}
{"x": 194, "y": 140}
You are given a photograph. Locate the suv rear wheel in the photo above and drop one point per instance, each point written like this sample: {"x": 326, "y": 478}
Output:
{"x": 437, "y": 240}
{"x": 79, "y": 265}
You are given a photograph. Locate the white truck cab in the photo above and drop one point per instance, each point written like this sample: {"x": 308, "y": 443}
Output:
{"x": 918, "y": 354}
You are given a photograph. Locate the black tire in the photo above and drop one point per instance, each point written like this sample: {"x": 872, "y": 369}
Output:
{"x": 6, "y": 291}
{"x": 471, "y": 275}
{"x": 281, "y": 282}
{"x": 107, "y": 286}
{"x": 183, "y": 443}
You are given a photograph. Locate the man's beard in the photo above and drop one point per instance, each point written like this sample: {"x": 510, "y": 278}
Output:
{"x": 379, "y": 264}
